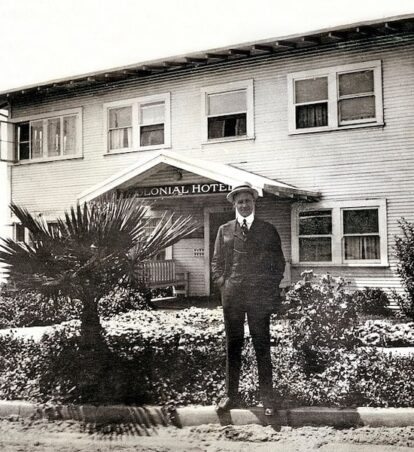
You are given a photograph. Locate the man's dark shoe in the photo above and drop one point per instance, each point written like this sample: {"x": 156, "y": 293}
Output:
{"x": 269, "y": 407}
{"x": 227, "y": 404}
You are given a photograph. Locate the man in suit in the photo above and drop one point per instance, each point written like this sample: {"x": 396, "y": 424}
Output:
{"x": 247, "y": 265}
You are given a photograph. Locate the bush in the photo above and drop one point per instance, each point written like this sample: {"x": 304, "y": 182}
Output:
{"x": 19, "y": 308}
{"x": 384, "y": 334}
{"x": 404, "y": 250}
{"x": 372, "y": 301}
{"x": 323, "y": 318}
{"x": 163, "y": 358}
{"x": 22, "y": 308}
{"x": 124, "y": 299}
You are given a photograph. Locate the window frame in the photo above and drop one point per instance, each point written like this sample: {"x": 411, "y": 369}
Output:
{"x": 338, "y": 249}
{"x": 44, "y": 118}
{"x": 136, "y": 104}
{"x": 110, "y": 129}
{"x": 332, "y": 74}
{"x": 305, "y": 236}
{"x": 246, "y": 85}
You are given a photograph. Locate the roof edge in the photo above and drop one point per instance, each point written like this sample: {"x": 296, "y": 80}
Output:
{"x": 195, "y": 54}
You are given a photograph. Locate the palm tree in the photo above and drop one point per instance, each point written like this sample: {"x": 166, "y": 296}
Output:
{"x": 95, "y": 247}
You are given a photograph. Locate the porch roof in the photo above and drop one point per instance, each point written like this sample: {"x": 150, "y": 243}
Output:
{"x": 219, "y": 172}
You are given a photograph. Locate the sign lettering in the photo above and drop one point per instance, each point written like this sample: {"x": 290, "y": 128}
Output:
{"x": 180, "y": 190}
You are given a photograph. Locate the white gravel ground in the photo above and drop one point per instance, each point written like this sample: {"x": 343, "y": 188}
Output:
{"x": 69, "y": 436}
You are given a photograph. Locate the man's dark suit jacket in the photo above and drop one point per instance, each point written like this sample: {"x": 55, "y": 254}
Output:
{"x": 266, "y": 259}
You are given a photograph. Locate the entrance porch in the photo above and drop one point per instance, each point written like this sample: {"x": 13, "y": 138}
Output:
{"x": 183, "y": 186}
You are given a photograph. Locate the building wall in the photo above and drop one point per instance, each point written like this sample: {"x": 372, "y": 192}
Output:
{"x": 5, "y": 228}
{"x": 370, "y": 162}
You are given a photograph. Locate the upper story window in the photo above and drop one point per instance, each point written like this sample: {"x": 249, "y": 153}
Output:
{"x": 227, "y": 111}
{"x": 120, "y": 127}
{"x": 51, "y": 137}
{"x": 340, "y": 233}
{"x": 141, "y": 123}
{"x": 335, "y": 97}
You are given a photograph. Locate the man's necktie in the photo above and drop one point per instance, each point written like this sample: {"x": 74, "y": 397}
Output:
{"x": 244, "y": 227}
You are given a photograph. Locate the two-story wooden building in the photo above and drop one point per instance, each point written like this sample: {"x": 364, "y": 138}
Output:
{"x": 321, "y": 124}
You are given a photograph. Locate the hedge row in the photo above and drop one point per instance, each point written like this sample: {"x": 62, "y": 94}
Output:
{"x": 157, "y": 357}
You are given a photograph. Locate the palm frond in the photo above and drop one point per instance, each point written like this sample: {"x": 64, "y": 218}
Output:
{"x": 89, "y": 250}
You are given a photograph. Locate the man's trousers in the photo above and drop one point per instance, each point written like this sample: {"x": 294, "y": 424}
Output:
{"x": 259, "y": 327}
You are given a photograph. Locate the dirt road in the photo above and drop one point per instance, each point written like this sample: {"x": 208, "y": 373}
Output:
{"x": 43, "y": 436}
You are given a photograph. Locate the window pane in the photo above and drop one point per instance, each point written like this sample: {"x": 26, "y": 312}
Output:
{"x": 230, "y": 102}
{"x": 120, "y": 138}
{"x": 53, "y": 137}
{"x": 315, "y": 249}
{"x": 23, "y": 132}
{"x": 19, "y": 232}
{"x": 152, "y": 135}
{"x": 360, "y": 221}
{"x": 357, "y": 108}
{"x": 152, "y": 113}
{"x": 24, "y": 149}
{"x": 69, "y": 135}
{"x": 359, "y": 248}
{"x": 311, "y": 90}
{"x": 23, "y": 144}
{"x": 311, "y": 116}
{"x": 120, "y": 117}
{"x": 227, "y": 126}
{"x": 315, "y": 222}
{"x": 37, "y": 139}
{"x": 356, "y": 83}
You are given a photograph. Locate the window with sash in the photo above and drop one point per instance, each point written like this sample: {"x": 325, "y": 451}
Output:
{"x": 341, "y": 233}
{"x": 335, "y": 97}
{"x": 315, "y": 236}
{"x": 361, "y": 235}
{"x": 48, "y": 138}
{"x": 228, "y": 111}
{"x": 141, "y": 123}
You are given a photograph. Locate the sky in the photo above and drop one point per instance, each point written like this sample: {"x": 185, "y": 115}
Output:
{"x": 41, "y": 40}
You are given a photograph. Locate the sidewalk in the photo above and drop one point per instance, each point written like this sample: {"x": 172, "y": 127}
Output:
{"x": 149, "y": 416}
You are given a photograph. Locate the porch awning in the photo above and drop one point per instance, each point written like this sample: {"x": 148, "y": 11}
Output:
{"x": 219, "y": 172}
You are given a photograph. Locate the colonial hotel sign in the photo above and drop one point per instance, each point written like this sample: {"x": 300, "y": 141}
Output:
{"x": 181, "y": 190}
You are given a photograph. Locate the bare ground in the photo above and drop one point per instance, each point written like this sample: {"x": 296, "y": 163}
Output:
{"x": 70, "y": 436}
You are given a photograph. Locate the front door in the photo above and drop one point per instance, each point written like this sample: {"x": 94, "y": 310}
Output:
{"x": 216, "y": 220}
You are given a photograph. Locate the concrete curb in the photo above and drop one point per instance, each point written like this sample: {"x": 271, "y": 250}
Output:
{"x": 152, "y": 416}
{"x": 147, "y": 416}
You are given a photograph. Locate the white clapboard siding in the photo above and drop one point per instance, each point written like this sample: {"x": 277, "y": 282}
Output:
{"x": 183, "y": 255}
{"x": 344, "y": 164}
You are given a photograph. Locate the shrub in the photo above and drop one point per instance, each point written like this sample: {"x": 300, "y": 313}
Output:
{"x": 124, "y": 299}
{"x": 383, "y": 380}
{"x": 384, "y": 334}
{"x": 164, "y": 358}
{"x": 19, "y": 308}
{"x": 323, "y": 318}
{"x": 404, "y": 250}
{"x": 23, "y": 308}
{"x": 372, "y": 301}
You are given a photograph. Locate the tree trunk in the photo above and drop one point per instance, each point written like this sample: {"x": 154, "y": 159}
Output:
{"x": 91, "y": 328}
{"x": 94, "y": 354}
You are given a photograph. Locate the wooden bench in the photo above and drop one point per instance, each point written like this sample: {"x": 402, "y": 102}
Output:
{"x": 160, "y": 274}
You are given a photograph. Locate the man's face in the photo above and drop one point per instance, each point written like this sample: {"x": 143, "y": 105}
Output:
{"x": 244, "y": 203}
